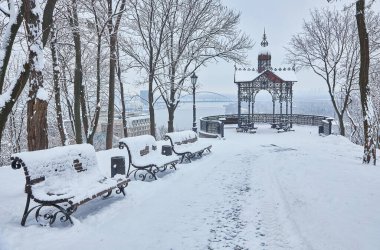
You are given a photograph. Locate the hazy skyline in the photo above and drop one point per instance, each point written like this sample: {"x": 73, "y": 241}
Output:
{"x": 281, "y": 20}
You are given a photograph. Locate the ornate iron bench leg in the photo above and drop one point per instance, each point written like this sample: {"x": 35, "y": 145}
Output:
{"x": 188, "y": 157}
{"x": 173, "y": 166}
{"x": 163, "y": 168}
{"x": 50, "y": 217}
{"x": 107, "y": 195}
{"x": 200, "y": 153}
{"x": 121, "y": 189}
{"x": 153, "y": 172}
{"x": 26, "y": 211}
{"x": 182, "y": 158}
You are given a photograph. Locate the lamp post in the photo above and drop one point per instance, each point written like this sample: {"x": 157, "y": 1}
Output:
{"x": 194, "y": 79}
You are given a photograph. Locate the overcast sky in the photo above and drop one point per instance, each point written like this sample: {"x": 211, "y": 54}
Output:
{"x": 281, "y": 19}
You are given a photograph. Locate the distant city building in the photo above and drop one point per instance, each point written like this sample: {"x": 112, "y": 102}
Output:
{"x": 137, "y": 124}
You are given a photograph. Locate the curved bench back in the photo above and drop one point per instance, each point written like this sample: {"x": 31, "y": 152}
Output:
{"x": 182, "y": 137}
{"x": 49, "y": 163}
{"x": 138, "y": 146}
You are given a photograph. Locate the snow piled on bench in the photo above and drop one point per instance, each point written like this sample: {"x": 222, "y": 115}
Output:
{"x": 62, "y": 180}
{"x": 178, "y": 139}
{"x": 182, "y": 136}
{"x": 51, "y": 162}
{"x": 138, "y": 143}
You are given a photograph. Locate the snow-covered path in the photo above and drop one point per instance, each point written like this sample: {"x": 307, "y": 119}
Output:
{"x": 254, "y": 191}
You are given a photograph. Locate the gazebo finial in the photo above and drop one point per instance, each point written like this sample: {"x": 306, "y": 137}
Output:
{"x": 264, "y": 43}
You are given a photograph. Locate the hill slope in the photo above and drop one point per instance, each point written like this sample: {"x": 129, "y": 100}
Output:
{"x": 293, "y": 190}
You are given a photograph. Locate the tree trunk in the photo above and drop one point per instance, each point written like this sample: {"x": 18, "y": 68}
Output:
{"x": 57, "y": 88}
{"x": 37, "y": 98}
{"x": 37, "y": 123}
{"x": 112, "y": 30}
{"x": 84, "y": 111}
{"x": 122, "y": 98}
{"x": 111, "y": 82}
{"x": 78, "y": 72}
{"x": 151, "y": 107}
{"x": 342, "y": 128}
{"x": 171, "y": 111}
{"x": 369, "y": 143}
{"x": 95, "y": 121}
{"x": 111, "y": 94}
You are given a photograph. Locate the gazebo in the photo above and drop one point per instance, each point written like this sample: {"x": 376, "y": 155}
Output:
{"x": 277, "y": 81}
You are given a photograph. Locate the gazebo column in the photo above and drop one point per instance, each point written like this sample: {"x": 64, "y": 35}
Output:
{"x": 274, "y": 108}
{"x": 281, "y": 100}
{"x": 249, "y": 109}
{"x": 287, "y": 108}
{"x": 239, "y": 105}
{"x": 291, "y": 105}
{"x": 253, "y": 110}
{"x": 281, "y": 108}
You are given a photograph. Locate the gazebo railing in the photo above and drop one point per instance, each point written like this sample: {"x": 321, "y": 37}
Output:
{"x": 215, "y": 124}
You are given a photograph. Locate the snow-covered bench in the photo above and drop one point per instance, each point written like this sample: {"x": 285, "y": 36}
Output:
{"x": 186, "y": 144}
{"x": 283, "y": 127}
{"x": 144, "y": 156}
{"x": 62, "y": 178}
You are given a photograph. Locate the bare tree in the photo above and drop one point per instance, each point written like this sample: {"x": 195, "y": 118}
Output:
{"x": 145, "y": 40}
{"x": 327, "y": 46}
{"x": 365, "y": 95}
{"x": 113, "y": 30}
{"x": 122, "y": 97}
{"x": 96, "y": 8}
{"x": 199, "y": 31}
{"x": 56, "y": 82}
{"x": 78, "y": 79}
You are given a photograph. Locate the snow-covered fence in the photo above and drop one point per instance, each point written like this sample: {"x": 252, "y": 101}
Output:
{"x": 214, "y": 125}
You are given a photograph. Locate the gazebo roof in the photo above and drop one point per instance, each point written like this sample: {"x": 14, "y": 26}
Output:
{"x": 249, "y": 75}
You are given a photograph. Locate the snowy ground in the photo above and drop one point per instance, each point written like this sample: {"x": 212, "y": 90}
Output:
{"x": 293, "y": 190}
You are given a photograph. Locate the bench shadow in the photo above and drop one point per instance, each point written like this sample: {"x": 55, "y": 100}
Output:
{"x": 96, "y": 206}
{"x": 277, "y": 148}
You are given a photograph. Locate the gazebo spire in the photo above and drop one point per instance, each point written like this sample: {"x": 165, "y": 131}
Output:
{"x": 264, "y": 42}
{"x": 264, "y": 58}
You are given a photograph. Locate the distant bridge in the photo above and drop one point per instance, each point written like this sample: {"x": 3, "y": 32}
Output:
{"x": 135, "y": 101}
{"x": 206, "y": 96}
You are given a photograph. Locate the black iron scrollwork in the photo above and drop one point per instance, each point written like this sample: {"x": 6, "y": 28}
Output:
{"x": 46, "y": 214}
{"x": 17, "y": 163}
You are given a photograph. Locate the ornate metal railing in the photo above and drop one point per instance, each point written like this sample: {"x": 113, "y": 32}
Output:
{"x": 215, "y": 124}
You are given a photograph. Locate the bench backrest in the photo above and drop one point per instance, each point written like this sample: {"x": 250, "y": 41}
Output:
{"x": 46, "y": 164}
{"x": 182, "y": 137}
{"x": 138, "y": 146}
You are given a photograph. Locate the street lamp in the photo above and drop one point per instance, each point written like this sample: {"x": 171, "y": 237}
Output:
{"x": 194, "y": 79}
